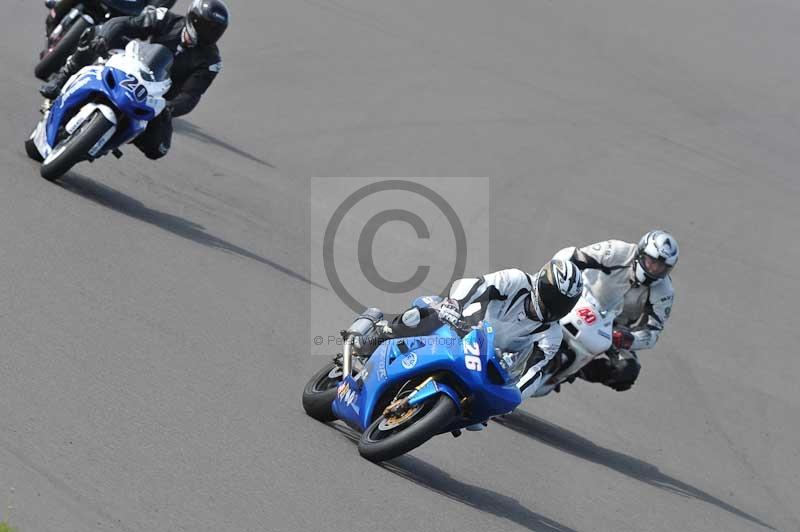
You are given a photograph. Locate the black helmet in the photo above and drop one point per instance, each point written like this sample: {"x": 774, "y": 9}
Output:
{"x": 556, "y": 289}
{"x": 207, "y": 20}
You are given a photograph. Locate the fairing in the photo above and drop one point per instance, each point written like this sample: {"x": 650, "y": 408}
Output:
{"x": 121, "y": 85}
{"x": 442, "y": 353}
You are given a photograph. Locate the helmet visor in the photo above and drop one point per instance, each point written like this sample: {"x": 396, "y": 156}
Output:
{"x": 158, "y": 59}
{"x": 655, "y": 268}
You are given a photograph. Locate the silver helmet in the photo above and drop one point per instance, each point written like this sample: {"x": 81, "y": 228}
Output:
{"x": 657, "y": 255}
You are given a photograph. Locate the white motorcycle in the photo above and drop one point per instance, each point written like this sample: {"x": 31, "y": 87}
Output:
{"x": 587, "y": 334}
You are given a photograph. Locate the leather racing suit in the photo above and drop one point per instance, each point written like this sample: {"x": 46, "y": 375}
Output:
{"x": 503, "y": 298}
{"x": 641, "y": 310}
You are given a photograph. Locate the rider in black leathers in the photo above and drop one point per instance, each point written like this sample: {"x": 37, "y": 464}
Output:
{"x": 191, "y": 38}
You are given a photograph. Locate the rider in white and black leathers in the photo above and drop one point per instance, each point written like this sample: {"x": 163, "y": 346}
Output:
{"x": 633, "y": 281}
{"x": 523, "y": 310}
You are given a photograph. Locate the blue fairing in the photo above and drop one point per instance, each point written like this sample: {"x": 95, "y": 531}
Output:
{"x": 443, "y": 352}
{"x": 111, "y": 84}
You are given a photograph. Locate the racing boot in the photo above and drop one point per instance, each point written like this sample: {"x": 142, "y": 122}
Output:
{"x": 52, "y": 88}
{"x": 88, "y": 49}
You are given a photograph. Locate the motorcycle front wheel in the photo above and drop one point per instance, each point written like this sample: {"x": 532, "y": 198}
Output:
{"x": 388, "y": 438}
{"x": 75, "y": 148}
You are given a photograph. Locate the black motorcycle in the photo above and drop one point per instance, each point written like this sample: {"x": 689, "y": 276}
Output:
{"x": 65, "y": 25}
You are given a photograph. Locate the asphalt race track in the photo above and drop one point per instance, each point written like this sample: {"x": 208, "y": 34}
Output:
{"x": 154, "y": 316}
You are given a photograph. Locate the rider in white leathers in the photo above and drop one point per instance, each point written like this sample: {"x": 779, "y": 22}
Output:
{"x": 633, "y": 282}
{"x": 523, "y": 309}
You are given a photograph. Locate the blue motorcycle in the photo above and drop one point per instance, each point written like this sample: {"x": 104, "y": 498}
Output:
{"x": 101, "y": 108}
{"x": 411, "y": 389}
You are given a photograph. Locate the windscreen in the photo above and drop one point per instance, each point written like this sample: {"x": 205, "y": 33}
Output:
{"x": 157, "y": 59}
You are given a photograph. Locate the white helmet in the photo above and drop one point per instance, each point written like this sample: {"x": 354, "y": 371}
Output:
{"x": 657, "y": 255}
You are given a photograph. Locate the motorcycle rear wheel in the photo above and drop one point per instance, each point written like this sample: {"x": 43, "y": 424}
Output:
{"x": 54, "y": 59}
{"x": 319, "y": 393}
{"x": 385, "y": 439}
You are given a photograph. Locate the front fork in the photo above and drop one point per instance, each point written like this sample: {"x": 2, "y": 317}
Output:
{"x": 424, "y": 390}
{"x": 347, "y": 356}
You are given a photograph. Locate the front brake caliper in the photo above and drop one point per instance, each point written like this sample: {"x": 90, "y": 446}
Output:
{"x": 398, "y": 406}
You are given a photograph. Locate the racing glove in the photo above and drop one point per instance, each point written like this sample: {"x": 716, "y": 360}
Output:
{"x": 99, "y": 46}
{"x": 621, "y": 339}
{"x": 449, "y": 311}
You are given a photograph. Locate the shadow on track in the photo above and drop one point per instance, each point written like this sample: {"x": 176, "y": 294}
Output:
{"x": 434, "y": 479}
{"x": 191, "y": 130}
{"x": 578, "y": 446}
{"x": 124, "y": 204}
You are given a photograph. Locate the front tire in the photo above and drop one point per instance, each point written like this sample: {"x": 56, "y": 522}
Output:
{"x": 55, "y": 58}
{"x": 75, "y": 148}
{"x": 381, "y": 441}
{"x": 320, "y": 392}
{"x": 33, "y": 151}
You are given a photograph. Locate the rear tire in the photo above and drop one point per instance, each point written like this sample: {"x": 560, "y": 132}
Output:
{"x": 376, "y": 445}
{"x": 75, "y": 148}
{"x": 320, "y": 392}
{"x": 55, "y": 58}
